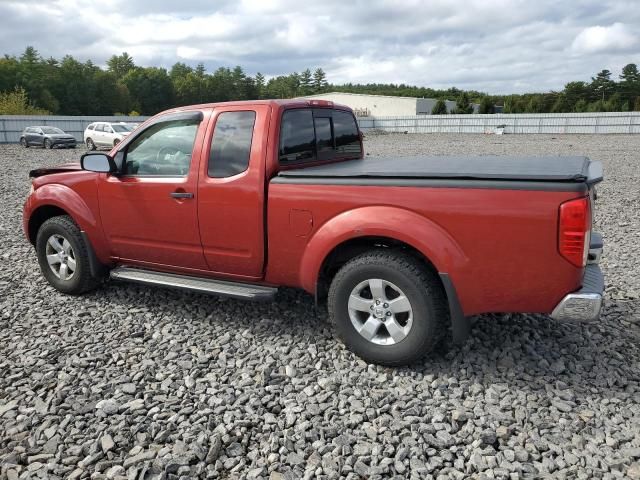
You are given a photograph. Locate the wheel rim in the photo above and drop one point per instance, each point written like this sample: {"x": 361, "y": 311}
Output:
{"x": 61, "y": 257}
{"x": 47, "y": 144}
{"x": 380, "y": 312}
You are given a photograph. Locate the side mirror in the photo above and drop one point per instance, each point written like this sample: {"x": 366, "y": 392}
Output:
{"x": 98, "y": 162}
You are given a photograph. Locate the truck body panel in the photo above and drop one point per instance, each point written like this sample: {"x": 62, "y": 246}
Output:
{"x": 489, "y": 223}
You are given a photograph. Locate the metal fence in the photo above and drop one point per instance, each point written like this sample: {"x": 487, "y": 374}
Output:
{"x": 554, "y": 123}
{"x": 11, "y": 126}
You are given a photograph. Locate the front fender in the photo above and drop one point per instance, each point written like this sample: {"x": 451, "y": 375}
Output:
{"x": 381, "y": 221}
{"x": 86, "y": 216}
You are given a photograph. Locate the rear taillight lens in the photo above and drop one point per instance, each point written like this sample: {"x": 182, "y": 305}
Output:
{"x": 574, "y": 231}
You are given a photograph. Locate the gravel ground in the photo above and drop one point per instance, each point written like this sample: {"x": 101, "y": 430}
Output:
{"x": 132, "y": 382}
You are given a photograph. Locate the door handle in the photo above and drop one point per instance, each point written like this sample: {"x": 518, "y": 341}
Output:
{"x": 181, "y": 195}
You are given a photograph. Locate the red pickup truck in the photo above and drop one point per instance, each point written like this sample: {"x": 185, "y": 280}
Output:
{"x": 240, "y": 198}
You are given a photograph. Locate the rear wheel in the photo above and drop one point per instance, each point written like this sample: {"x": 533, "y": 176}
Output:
{"x": 48, "y": 143}
{"x": 23, "y": 142}
{"x": 90, "y": 144}
{"x": 388, "y": 308}
{"x": 64, "y": 257}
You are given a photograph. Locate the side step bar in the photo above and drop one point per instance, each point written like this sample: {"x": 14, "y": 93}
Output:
{"x": 195, "y": 284}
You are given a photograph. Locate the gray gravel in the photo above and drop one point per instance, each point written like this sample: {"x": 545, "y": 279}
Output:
{"x": 132, "y": 382}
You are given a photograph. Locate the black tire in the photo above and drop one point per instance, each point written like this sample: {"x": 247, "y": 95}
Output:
{"x": 90, "y": 144}
{"x": 116, "y": 142}
{"x": 422, "y": 288}
{"x": 81, "y": 281}
{"x": 23, "y": 142}
{"x": 47, "y": 144}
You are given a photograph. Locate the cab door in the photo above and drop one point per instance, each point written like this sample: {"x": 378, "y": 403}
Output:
{"x": 231, "y": 191}
{"x": 149, "y": 210}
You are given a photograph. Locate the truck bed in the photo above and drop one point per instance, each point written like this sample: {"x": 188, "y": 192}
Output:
{"x": 501, "y": 168}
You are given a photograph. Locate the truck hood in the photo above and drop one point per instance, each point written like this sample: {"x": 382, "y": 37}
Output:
{"x": 65, "y": 167}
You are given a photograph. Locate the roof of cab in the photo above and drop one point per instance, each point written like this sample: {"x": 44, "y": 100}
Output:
{"x": 284, "y": 103}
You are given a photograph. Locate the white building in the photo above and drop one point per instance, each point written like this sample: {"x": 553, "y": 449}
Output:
{"x": 365, "y": 105}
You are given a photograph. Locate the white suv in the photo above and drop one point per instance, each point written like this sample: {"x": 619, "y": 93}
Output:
{"x": 105, "y": 134}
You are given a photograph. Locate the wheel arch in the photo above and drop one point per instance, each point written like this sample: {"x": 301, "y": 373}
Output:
{"x": 354, "y": 232}
{"x": 378, "y": 227}
{"x": 40, "y": 215}
{"x": 53, "y": 200}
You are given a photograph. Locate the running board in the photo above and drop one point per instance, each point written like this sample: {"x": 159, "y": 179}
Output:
{"x": 195, "y": 284}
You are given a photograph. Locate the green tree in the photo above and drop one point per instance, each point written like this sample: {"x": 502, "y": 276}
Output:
{"x": 320, "y": 83}
{"x": 179, "y": 70}
{"x": 121, "y": 64}
{"x": 306, "y": 82}
{"x": 17, "y": 103}
{"x": 630, "y": 73}
{"x": 259, "y": 82}
{"x": 486, "y": 106}
{"x": 463, "y": 104}
{"x": 151, "y": 89}
{"x": 440, "y": 108}
{"x": 602, "y": 84}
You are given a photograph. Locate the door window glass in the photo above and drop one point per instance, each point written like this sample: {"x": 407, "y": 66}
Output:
{"x": 297, "y": 137}
{"x": 163, "y": 149}
{"x": 231, "y": 144}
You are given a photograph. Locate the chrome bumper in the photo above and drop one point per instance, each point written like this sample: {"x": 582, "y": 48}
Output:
{"x": 585, "y": 304}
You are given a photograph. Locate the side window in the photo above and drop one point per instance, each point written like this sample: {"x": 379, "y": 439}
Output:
{"x": 297, "y": 137}
{"x": 91, "y": 127}
{"x": 231, "y": 144}
{"x": 346, "y": 134}
{"x": 99, "y": 128}
{"x": 163, "y": 149}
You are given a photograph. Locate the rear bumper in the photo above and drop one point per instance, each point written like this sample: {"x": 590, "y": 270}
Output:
{"x": 585, "y": 304}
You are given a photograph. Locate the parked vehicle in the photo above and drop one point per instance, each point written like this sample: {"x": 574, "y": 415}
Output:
{"x": 240, "y": 198}
{"x": 46, "y": 137}
{"x": 105, "y": 134}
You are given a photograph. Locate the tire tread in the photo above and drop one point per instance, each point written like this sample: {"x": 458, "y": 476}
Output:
{"x": 411, "y": 266}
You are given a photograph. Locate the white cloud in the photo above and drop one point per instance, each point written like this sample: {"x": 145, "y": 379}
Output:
{"x": 499, "y": 46}
{"x": 605, "y": 39}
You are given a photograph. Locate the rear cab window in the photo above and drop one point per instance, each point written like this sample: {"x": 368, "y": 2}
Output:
{"x": 321, "y": 134}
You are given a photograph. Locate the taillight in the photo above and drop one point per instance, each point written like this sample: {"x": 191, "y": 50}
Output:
{"x": 574, "y": 231}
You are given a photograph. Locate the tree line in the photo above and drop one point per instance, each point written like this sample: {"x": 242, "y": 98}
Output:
{"x": 29, "y": 83}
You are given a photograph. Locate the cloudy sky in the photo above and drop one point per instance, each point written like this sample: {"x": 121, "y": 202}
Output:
{"x": 497, "y": 46}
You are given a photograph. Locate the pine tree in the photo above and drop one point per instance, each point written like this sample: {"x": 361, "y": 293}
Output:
{"x": 463, "y": 104}
{"x": 319, "y": 81}
{"x": 602, "y": 84}
{"x": 486, "y": 106}
{"x": 120, "y": 65}
{"x": 259, "y": 80}
{"x": 630, "y": 73}
{"x": 306, "y": 82}
{"x": 440, "y": 108}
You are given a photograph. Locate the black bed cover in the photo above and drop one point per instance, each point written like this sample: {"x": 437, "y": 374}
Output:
{"x": 488, "y": 167}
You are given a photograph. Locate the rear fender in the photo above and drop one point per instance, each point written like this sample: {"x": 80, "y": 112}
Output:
{"x": 74, "y": 205}
{"x": 381, "y": 221}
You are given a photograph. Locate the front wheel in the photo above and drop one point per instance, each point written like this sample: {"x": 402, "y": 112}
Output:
{"x": 90, "y": 144}
{"x": 64, "y": 257}
{"x": 388, "y": 308}
{"x": 48, "y": 144}
{"x": 23, "y": 142}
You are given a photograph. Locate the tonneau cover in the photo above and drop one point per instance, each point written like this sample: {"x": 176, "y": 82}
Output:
{"x": 543, "y": 169}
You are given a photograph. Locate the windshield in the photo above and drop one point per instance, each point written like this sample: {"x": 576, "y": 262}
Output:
{"x": 51, "y": 130}
{"x": 120, "y": 128}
